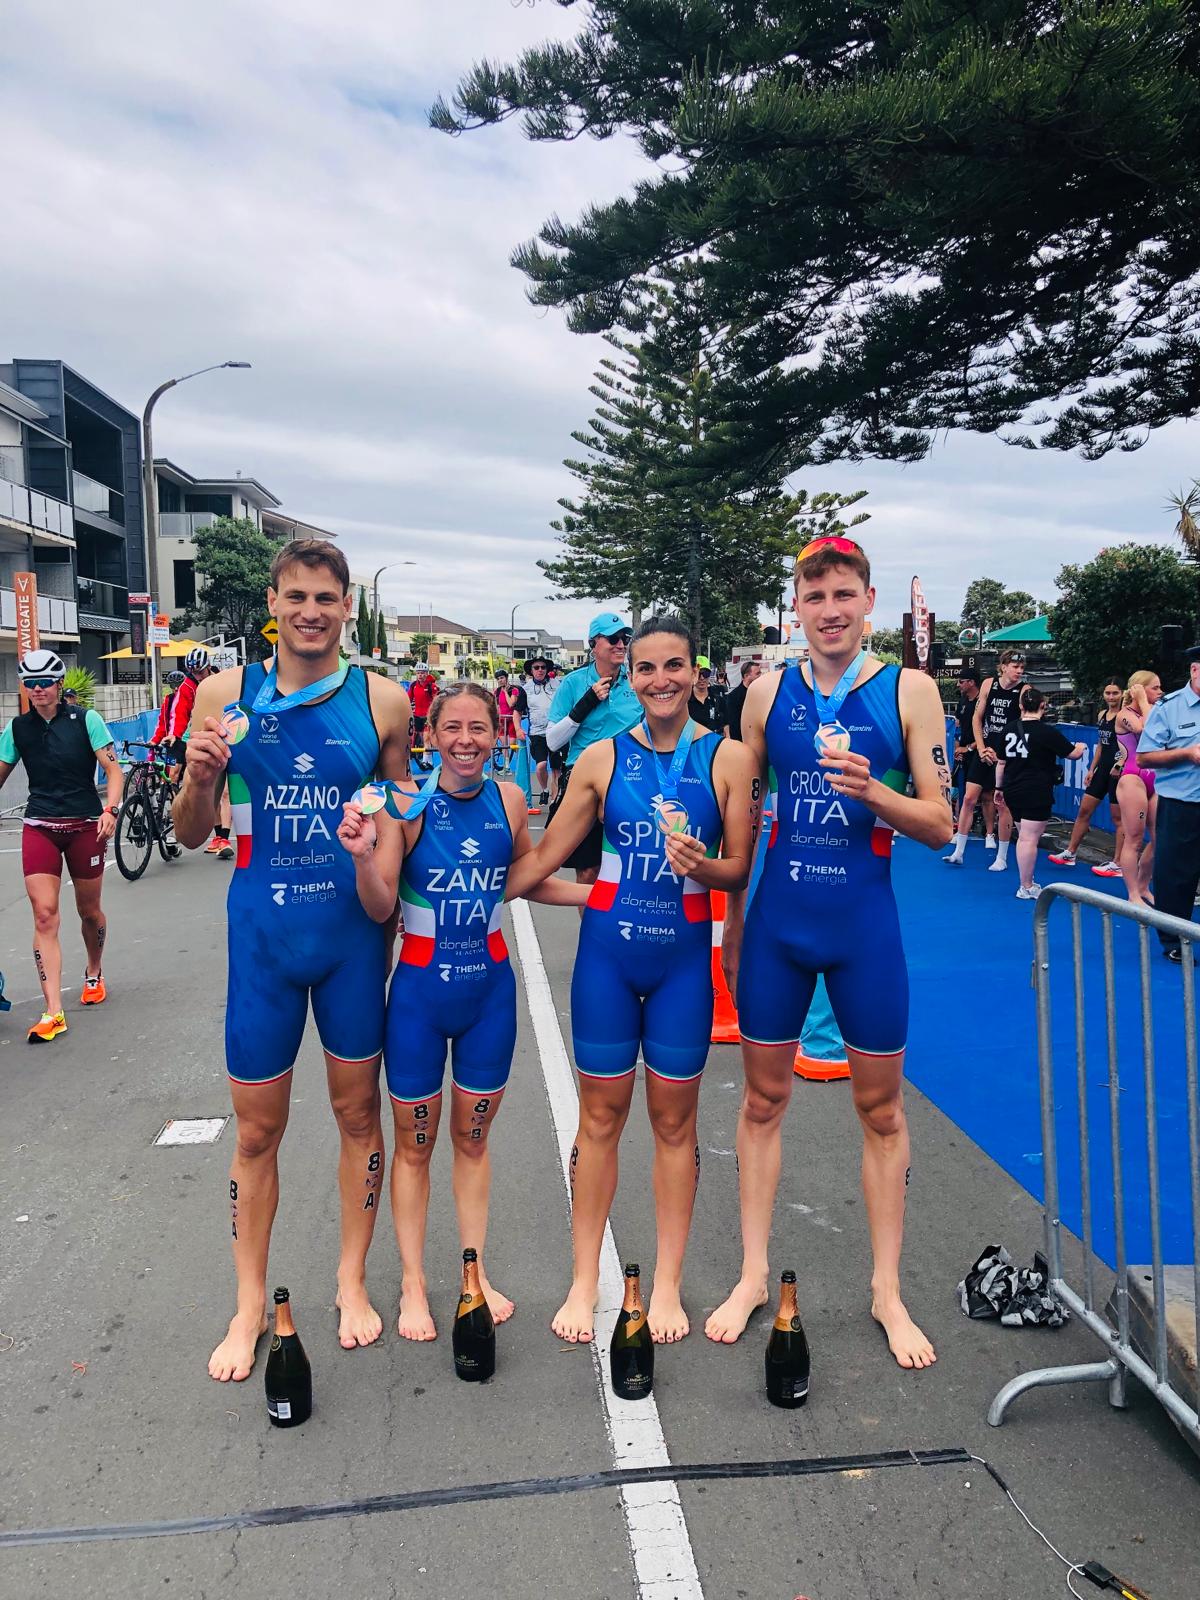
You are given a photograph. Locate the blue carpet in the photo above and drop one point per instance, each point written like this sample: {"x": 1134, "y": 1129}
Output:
{"x": 973, "y": 1040}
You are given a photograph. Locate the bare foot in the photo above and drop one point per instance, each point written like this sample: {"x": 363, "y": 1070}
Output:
{"x": 905, "y": 1340}
{"x": 234, "y": 1356}
{"x": 667, "y": 1318}
{"x": 499, "y": 1304}
{"x": 361, "y": 1324}
{"x": 574, "y": 1320}
{"x": 728, "y": 1322}
{"x": 415, "y": 1320}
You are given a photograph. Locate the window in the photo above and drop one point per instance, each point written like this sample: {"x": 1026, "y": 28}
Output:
{"x": 185, "y": 584}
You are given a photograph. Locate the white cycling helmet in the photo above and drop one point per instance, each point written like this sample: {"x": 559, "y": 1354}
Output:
{"x": 196, "y": 660}
{"x": 41, "y": 664}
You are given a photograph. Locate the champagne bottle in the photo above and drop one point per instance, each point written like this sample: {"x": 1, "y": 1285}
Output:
{"x": 787, "y": 1350}
{"x": 289, "y": 1376}
{"x": 631, "y": 1354}
{"x": 474, "y": 1337}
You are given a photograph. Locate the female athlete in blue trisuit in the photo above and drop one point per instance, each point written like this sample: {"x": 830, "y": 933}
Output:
{"x": 449, "y": 860}
{"x": 669, "y": 793}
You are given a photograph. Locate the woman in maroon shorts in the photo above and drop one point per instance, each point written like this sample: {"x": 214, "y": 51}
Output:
{"x": 60, "y": 745}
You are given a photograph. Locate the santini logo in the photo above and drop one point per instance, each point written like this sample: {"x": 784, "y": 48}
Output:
{"x": 470, "y": 849}
{"x": 304, "y": 765}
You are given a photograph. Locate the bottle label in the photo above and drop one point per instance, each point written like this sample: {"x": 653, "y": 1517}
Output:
{"x": 797, "y": 1325}
{"x": 281, "y": 1409}
{"x": 468, "y": 1303}
{"x": 795, "y": 1388}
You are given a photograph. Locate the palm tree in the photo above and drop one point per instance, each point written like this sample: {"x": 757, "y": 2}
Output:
{"x": 1186, "y": 506}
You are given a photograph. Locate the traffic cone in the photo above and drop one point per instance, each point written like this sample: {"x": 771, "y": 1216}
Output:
{"x": 821, "y": 1054}
{"x": 725, "y": 1023}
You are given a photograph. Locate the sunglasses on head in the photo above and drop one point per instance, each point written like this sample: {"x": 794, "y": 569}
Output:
{"x": 846, "y": 547}
{"x": 39, "y": 683}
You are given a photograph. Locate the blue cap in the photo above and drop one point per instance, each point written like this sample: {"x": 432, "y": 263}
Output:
{"x": 607, "y": 622}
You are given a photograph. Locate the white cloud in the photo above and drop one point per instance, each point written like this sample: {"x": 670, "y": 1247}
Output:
{"x": 258, "y": 182}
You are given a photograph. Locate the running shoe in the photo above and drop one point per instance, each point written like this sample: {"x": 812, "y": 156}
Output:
{"x": 1108, "y": 869}
{"x": 94, "y": 992}
{"x": 544, "y": 799}
{"x": 50, "y": 1026}
{"x": 226, "y": 852}
{"x": 998, "y": 866}
{"x": 989, "y": 842}
{"x": 1031, "y": 893}
{"x": 213, "y": 847}
{"x": 1065, "y": 858}
{"x": 953, "y": 861}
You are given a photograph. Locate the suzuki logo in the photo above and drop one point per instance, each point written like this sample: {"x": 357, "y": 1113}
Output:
{"x": 626, "y": 929}
{"x": 470, "y": 849}
{"x": 280, "y": 890}
{"x": 444, "y": 972}
{"x": 304, "y": 764}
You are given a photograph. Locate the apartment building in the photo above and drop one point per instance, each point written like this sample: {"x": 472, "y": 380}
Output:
{"x": 186, "y": 503}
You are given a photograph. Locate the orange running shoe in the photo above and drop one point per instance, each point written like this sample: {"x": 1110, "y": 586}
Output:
{"x": 94, "y": 992}
{"x": 213, "y": 847}
{"x": 50, "y": 1026}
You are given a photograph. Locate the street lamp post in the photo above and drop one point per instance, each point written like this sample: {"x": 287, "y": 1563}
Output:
{"x": 150, "y": 508}
{"x": 387, "y": 567}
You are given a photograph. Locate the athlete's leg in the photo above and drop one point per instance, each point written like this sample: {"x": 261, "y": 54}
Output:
{"x": 1083, "y": 822}
{"x": 603, "y": 1110}
{"x": 879, "y": 1102}
{"x": 672, "y": 1108}
{"x": 769, "y": 1074}
{"x": 43, "y": 891}
{"x": 1146, "y": 859}
{"x": 92, "y": 921}
{"x": 988, "y": 802}
{"x": 416, "y": 1126}
{"x": 260, "y": 1112}
{"x": 1131, "y": 797}
{"x": 354, "y": 1096}
{"x": 966, "y": 815}
{"x": 1027, "y": 850}
{"x": 471, "y": 1117}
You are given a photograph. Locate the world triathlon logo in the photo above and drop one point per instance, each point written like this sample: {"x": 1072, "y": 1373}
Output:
{"x": 633, "y": 763}
{"x": 798, "y": 715}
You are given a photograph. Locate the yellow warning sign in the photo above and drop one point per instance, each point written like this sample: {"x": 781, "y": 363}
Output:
{"x": 270, "y": 630}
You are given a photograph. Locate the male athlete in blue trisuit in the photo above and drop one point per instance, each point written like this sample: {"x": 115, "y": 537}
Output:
{"x": 447, "y": 852}
{"x": 296, "y": 739}
{"x": 667, "y": 794}
{"x": 840, "y": 738}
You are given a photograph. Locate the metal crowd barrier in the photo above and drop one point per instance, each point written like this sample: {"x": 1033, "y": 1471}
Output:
{"x": 1122, "y": 1357}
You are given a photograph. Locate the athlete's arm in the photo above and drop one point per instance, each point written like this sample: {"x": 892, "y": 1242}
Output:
{"x": 755, "y": 709}
{"x": 196, "y": 811}
{"x": 107, "y": 757}
{"x": 551, "y": 891}
{"x": 925, "y": 815}
{"x": 8, "y": 754}
{"x": 572, "y": 820}
{"x": 377, "y": 846}
{"x": 5, "y": 768}
{"x": 735, "y": 779}
{"x": 981, "y": 700}
{"x": 392, "y": 711}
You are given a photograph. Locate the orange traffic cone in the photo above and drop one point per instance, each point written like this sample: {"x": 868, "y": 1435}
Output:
{"x": 820, "y": 1071}
{"x": 725, "y": 1023}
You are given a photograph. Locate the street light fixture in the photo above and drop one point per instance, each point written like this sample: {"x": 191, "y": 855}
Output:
{"x": 387, "y": 567}
{"x": 150, "y": 507}
{"x": 512, "y": 630}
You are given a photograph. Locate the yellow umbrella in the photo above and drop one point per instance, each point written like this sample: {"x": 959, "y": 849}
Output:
{"x": 177, "y": 647}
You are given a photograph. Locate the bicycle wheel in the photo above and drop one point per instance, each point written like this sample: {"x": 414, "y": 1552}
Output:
{"x": 167, "y": 848}
{"x": 134, "y": 838}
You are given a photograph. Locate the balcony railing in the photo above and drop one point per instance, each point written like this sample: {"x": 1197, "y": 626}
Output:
{"x": 55, "y": 617}
{"x": 183, "y": 524}
{"x": 103, "y": 599}
{"x": 41, "y": 512}
{"x": 97, "y": 498}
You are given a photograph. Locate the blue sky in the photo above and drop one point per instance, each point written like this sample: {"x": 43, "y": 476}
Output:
{"x": 259, "y": 183}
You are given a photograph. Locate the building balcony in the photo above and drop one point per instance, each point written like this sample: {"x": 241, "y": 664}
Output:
{"x": 98, "y": 499}
{"x": 183, "y": 524}
{"x": 103, "y": 607}
{"x": 49, "y": 520}
{"x": 57, "y": 619}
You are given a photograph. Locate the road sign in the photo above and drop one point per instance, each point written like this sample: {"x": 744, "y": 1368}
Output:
{"x": 160, "y": 629}
{"x": 138, "y": 599}
{"x": 270, "y": 631}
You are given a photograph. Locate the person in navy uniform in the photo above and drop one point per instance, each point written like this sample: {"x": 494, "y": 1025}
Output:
{"x": 1170, "y": 747}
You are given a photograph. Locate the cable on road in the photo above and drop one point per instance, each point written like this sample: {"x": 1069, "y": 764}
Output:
{"x": 468, "y": 1494}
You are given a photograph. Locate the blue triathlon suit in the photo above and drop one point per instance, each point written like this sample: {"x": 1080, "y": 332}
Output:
{"x": 643, "y": 970}
{"x": 453, "y": 983}
{"x": 296, "y": 925}
{"x": 824, "y": 903}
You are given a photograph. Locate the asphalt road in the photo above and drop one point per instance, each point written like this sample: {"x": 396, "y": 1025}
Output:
{"x": 115, "y": 1283}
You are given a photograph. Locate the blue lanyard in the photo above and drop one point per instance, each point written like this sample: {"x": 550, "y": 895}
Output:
{"x": 421, "y": 799}
{"x": 668, "y": 782}
{"x": 265, "y": 699}
{"x": 828, "y": 706}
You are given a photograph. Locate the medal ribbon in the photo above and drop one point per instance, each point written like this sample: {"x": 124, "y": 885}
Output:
{"x": 265, "y": 699}
{"x": 669, "y": 780}
{"x": 828, "y": 706}
{"x": 418, "y": 802}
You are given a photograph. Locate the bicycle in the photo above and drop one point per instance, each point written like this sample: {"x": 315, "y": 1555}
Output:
{"x": 144, "y": 819}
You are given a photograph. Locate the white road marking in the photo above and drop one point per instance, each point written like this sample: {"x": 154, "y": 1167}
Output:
{"x": 658, "y": 1535}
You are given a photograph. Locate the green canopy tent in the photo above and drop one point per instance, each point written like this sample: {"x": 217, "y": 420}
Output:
{"x": 1035, "y": 631}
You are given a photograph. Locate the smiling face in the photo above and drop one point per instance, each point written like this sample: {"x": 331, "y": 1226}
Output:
{"x": 463, "y": 735}
{"x": 609, "y": 654}
{"x": 833, "y": 609}
{"x": 310, "y": 608}
{"x": 662, "y": 675}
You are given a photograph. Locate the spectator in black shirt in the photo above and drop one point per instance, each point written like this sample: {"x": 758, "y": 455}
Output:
{"x": 707, "y": 704}
{"x": 735, "y": 700}
{"x": 1030, "y": 772}
{"x": 964, "y": 746}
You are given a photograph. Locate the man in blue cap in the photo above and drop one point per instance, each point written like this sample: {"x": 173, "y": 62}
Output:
{"x": 593, "y": 703}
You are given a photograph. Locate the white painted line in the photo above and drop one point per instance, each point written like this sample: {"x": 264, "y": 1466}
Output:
{"x": 658, "y": 1535}
{"x": 191, "y": 1130}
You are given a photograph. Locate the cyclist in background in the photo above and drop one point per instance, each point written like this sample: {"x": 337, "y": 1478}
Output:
{"x": 64, "y": 820}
